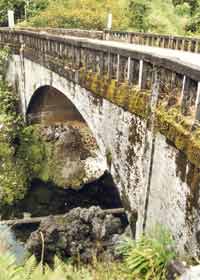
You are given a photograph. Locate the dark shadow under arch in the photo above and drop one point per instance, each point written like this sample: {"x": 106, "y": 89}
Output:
{"x": 49, "y": 105}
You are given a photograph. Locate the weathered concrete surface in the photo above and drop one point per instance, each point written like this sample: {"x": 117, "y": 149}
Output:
{"x": 151, "y": 176}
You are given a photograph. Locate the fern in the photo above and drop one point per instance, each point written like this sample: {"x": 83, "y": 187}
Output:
{"x": 30, "y": 270}
{"x": 148, "y": 257}
{"x": 145, "y": 259}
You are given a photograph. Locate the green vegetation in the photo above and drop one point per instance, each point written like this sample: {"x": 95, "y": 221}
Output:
{"x": 169, "y": 16}
{"x": 21, "y": 150}
{"x": 170, "y": 122}
{"x": 144, "y": 259}
{"x": 62, "y": 271}
{"x": 12, "y": 180}
{"x": 148, "y": 257}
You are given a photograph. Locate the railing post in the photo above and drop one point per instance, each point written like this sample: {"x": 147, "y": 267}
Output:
{"x": 109, "y": 64}
{"x": 184, "y": 94}
{"x": 197, "y": 104}
{"x": 129, "y": 38}
{"x": 183, "y": 89}
{"x": 197, "y": 46}
{"x": 101, "y": 63}
{"x": 140, "y": 74}
{"x": 129, "y": 70}
{"x": 118, "y": 68}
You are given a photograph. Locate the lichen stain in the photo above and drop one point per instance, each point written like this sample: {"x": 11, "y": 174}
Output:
{"x": 181, "y": 165}
{"x": 193, "y": 181}
{"x": 134, "y": 139}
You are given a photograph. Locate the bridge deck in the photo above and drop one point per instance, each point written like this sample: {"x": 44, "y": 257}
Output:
{"x": 187, "y": 58}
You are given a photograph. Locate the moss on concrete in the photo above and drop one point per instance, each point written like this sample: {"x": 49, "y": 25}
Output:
{"x": 169, "y": 122}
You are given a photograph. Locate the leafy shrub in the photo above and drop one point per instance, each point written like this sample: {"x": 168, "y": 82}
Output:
{"x": 62, "y": 271}
{"x": 85, "y": 14}
{"x": 183, "y": 9}
{"x": 138, "y": 15}
{"x": 21, "y": 149}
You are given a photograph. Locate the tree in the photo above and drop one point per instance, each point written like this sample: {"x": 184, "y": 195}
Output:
{"x": 16, "y": 5}
{"x": 35, "y": 6}
{"x": 138, "y": 14}
{"x": 194, "y": 4}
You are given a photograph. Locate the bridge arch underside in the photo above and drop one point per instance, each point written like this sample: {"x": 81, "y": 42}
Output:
{"x": 48, "y": 105}
{"x": 157, "y": 185}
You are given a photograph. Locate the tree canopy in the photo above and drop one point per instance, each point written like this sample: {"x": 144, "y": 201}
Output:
{"x": 169, "y": 16}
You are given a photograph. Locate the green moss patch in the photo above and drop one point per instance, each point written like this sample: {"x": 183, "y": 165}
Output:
{"x": 170, "y": 122}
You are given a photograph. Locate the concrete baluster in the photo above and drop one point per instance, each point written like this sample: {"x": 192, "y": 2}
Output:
{"x": 78, "y": 57}
{"x": 196, "y": 46}
{"x": 129, "y": 38}
{"x": 197, "y": 104}
{"x": 189, "y": 46}
{"x": 183, "y": 45}
{"x": 38, "y": 44}
{"x": 118, "y": 68}
{"x": 177, "y": 44}
{"x": 49, "y": 46}
{"x": 183, "y": 89}
{"x": 101, "y": 63}
{"x": 44, "y": 46}
{"x": 140, "y": 82}
{"x": 109, "y": 64}
{"x": 129, "y": 70}
{"x": 41, "y": 45}
{"x": 184, "y": 94}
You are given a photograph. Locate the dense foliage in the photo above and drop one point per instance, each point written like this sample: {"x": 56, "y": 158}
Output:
{"x": 145, "y": 259}
{"x": 148, "y": 257}
{"x": 9, "y": 270}
{"x": 21, "y": 150}
{"x": 169, "y": 16}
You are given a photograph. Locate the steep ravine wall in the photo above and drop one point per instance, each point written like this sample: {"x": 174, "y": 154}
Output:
{"x": 154, "y": 178}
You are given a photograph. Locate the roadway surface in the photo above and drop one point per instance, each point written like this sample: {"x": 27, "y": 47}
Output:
{"x": 187, "y": 58}
{"x": 183, "y": 57}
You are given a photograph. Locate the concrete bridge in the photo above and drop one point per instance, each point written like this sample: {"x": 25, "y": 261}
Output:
{"x": 142, "y": 104}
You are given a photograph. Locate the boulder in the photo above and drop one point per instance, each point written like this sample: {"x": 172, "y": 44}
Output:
{"x": 72, "y": 155}
{"x": 81, "y": 234}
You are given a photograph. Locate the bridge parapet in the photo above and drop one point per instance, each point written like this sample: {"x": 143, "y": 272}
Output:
{"x": 92, "y": 34}
{"x": 175, "y": 42}
{"x": 188, "y": 44}
{"x": 179, "y": 82}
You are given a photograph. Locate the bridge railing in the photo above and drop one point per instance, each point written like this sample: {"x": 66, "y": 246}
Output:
{"x": 179, "y": 82}
{"x": 188, "y": 44}
{"x": 92, "y": 34}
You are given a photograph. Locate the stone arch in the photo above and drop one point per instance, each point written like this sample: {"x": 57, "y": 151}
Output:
{"x": 49, "y": 105}
{"x": 76, "y": 149}
{"x": 69, "y": 91}
{"x": 109, "y": 124}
